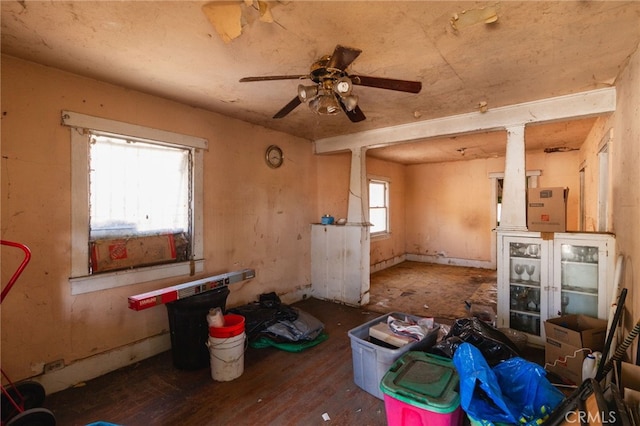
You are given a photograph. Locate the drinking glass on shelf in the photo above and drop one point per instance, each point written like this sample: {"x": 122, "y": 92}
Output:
{"x": 582, "y": 252}
{"x": 513, "y": 302}
{"x": 525, "y": 322}
{"x": 564, "y": 301}
{"x": 534, "y": 296}
{"x": 523, "y": 298}
{"x": 530, "y": 269}
{"x": 518, "y": 269}
{"x": 533, "y": 250}
{"x": 593, "y": 254}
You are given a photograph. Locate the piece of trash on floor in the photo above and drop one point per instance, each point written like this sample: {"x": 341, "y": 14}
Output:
{"x": 425, "y": 306}
{"x": 326, "y": 417}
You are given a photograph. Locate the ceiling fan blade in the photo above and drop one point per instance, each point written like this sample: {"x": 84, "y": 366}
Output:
{"x": 387, "y": 83}
{"x": 288, "y": 108}
{"x": 355, "y": 115}
{"x": 273, "y": 77}
{"x": 342, "y": 57}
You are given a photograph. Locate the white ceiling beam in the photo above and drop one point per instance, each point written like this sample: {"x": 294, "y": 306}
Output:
{"x": 574, "y": 106}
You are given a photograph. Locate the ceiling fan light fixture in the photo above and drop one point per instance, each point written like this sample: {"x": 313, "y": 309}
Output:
{"x": 324, "y": 104}
{"x": 343, "y": 86}
{"x": 350, "y": 102}
{"x": 306, "y": 93}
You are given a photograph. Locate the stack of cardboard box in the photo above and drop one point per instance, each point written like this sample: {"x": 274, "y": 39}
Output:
{"x": 568, "y": 340}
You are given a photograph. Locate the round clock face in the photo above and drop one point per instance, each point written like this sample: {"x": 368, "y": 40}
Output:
{"x": 274, "y": 156}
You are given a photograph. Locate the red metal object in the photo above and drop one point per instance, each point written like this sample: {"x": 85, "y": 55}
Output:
{"x": 21, "y": 401}
{"x": 180, "y": 291}
{"x": 27, "y": 258}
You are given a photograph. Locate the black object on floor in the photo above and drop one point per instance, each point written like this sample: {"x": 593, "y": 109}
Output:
{"x": 189, "y": 328}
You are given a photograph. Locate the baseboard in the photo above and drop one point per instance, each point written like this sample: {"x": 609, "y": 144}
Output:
{"x": 387, "y": 263}
{"x": 484, "y": 264}
{"x": 297, "y": 295}
{"x": 103, "y": 363}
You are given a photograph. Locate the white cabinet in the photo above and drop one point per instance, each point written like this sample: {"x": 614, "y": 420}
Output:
{"x": 540, "y": 278}
{"x": 340, "y": 263}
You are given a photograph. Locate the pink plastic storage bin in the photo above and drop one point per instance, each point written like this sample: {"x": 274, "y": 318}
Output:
{"x": 420, "y": 389}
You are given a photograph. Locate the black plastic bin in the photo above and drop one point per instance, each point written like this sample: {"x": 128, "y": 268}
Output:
{"x": 189, "y": 328}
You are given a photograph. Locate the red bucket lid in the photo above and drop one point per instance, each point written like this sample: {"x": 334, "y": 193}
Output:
{"x": 233, "y": 326}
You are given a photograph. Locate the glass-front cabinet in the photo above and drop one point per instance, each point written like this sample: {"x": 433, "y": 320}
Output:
{"x": 528, "y": 262}
{"x": 560, "y": 274}
{"x": 581, "y": 269}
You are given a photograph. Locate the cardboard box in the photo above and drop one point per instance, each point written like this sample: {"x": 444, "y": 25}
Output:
{"x": 382, "y": 332}
{"x": 566, "y": 337}
{"x": 114, "y": 254}
{"x": 630, "y": 382}
{"x": 577, "y": 330}
{"x": 547, "y": 209}
{"x": 564, "y": 360}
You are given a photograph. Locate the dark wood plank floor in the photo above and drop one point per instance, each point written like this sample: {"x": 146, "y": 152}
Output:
{"x": 276, "y": 388}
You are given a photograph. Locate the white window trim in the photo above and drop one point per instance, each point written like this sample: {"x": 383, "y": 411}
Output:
{"x": 80, "y": 280}
{"x": 387, "y": 233}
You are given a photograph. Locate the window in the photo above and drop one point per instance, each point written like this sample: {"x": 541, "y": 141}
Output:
{"x": 379, "y": 206}
{"x": 499, "y": 185}
{"x": 139, "y": 211}
{"x": 137, "y": 204}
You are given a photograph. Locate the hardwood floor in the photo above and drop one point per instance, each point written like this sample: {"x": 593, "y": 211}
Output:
{"x": 276, "y": 388}
{"x": 432, "y": 290}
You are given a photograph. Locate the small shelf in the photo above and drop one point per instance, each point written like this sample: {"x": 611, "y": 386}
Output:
{"x": 528, "y": 313}
{"x": 593, "y": 292}
{"x": 525, "y": 283}
{"x": 524, "y": 256}
{"x": 573, "y": 262}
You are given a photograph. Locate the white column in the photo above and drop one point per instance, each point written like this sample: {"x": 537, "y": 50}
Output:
{"x": 358, "y": 216}
{"x": 514, "y": 191}
{"x": 358, "y": 207}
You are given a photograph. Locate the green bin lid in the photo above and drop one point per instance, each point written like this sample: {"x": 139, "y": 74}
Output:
{"x": 423, "y": 380}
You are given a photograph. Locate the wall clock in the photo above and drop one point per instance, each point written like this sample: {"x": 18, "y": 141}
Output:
{"x": 274, "y": 156}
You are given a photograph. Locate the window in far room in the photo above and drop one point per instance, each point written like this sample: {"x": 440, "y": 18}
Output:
{"x": 378, "y": 206}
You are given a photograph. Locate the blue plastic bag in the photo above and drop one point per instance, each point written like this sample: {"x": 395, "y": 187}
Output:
{"x": 515, "y": 391}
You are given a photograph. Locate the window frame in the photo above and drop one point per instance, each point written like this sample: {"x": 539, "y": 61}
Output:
{"x": 80, "y": 280}
{"x": 387, "y": 185}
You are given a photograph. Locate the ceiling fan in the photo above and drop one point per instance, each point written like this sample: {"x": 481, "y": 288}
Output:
{"x": 333, "y": 86}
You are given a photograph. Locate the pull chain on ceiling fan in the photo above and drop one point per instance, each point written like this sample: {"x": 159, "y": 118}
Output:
{"x": 333, "y": 86}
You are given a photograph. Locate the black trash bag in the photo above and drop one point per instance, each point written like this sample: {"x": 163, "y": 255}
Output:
{"x": 259, "y": 316}
{"x": 446, "y": 347}
{"x": 304, "y": 327}
{"x": 492, "y": 343}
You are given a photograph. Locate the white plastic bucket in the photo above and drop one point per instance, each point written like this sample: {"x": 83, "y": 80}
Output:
{"x": 227, "y": 357}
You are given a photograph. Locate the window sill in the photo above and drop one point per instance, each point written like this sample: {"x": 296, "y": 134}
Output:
{"x": 381, "y": 236}
{"x": 91, "y": 283}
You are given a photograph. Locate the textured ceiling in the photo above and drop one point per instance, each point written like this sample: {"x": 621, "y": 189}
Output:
{"x": 498, "y": 53}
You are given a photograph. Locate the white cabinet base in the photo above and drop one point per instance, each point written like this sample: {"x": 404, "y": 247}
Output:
{"x": 340, "y": 263}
